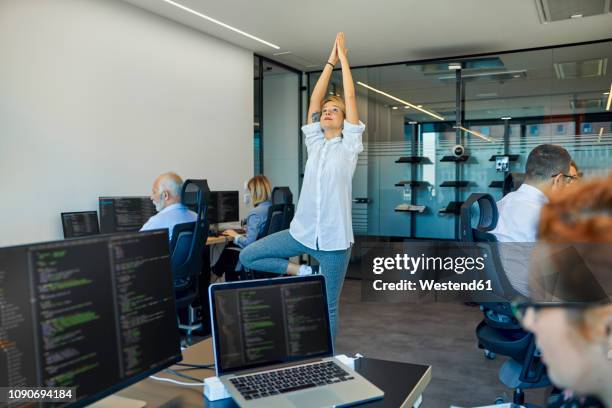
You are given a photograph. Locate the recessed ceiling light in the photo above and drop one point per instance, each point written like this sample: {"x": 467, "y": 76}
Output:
{"x": 281, "y": 53}
{"x": 516, "y": 76}
{"x": 406, "y": 107}
{"x": 454, "y": 65}
{"x": 394, "y": 108}
{"x": 413, "y": 122}
{"x": 506, "y": 118}
{"x": 576, "y": 16}
{"x": 400, "y": 100}
{"x": 229, "y": 27}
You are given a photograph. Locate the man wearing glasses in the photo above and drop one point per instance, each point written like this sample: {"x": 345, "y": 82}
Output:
{"x": 547, "y": 169}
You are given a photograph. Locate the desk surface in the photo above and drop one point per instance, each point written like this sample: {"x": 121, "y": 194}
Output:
{"x": 402, "y": 383}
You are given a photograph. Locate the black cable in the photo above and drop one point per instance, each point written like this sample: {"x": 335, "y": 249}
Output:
{"x": 204, "y": 366}
{"x": 188, "y": 377}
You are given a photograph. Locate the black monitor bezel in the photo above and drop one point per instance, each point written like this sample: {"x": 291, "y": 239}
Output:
{"x": 80, "y": 212}
{"x": 216, "y": 287}
{"x": 138, "y": 377}
{"x": 215, "y": 192}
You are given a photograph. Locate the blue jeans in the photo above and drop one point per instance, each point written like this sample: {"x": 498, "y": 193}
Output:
{"x": 271, "y": 254}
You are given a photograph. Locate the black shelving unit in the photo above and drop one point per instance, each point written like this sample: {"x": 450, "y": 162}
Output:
{"x": 455, "y": 159}
{"x": 453, "y": 207}
{"x": 414, "y": 159}
{"x": 411, "y": 210}
{"x": 414, "y": 162}
{"x": 411, "y": 183}
{"x": 511, "y": 157}
{"x": 456, "y": 184}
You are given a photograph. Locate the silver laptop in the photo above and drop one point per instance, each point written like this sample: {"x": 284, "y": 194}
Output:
{"x": 273, "y": 345}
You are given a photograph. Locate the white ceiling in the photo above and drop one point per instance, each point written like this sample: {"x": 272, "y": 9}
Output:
{"x": 382, "y": 32}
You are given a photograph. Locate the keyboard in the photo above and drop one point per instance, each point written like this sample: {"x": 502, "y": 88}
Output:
{"x": 289, "y": 379}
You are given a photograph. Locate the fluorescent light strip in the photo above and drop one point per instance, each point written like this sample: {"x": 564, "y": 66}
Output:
{"x": 486, "y": 74}
{"x": 600, "y": 133}
{"x": 229, "y": 27}
{"x": 609, "y": 98}
{"x": 401, "y": 101}
{"x": 475, "y": 133}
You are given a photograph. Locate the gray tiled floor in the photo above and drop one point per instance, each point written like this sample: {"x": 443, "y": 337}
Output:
{"x": 438, "y": 334}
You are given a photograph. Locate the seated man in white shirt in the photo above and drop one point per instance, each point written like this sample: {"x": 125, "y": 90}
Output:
{"x": 547, "y": 168}
{"x": 166, "y": 196}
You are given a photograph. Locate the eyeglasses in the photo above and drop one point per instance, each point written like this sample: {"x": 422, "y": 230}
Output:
{"x": 519, "y": 308}
{"x": 567, "y": 176}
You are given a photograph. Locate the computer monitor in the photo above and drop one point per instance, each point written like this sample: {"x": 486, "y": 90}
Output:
{"x": 80, "y": 224}
{"x": 94, "y": 313}
{"x": 223, "y": 206}
{"x": 269, "y": 321}
{"x": 124, "y": 214}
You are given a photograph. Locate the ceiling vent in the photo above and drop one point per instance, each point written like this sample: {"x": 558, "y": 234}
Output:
{"x": 590, "y": 68}
{"x": 557, "y": 10}
{"x": 595, "y": 104}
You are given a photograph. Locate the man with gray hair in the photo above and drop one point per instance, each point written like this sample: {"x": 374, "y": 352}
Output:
{"x": 547, "y": 168}
{"x": 166, "y": 196}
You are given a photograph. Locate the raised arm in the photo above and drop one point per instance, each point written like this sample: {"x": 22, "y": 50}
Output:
{"x": 352, "y": 116}
{"x": 320, "y": 89}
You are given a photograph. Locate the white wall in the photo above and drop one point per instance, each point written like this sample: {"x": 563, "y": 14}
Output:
{"x": 280, "y": 133}
{"x": 97, "y": 97}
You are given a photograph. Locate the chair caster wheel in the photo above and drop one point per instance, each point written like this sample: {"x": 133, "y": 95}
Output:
{"x": 490, "y": 355}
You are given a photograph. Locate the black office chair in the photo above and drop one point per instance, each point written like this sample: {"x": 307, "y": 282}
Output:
{"x": 280, "y": 214}
{"x": 512, "y": 182}
{"x": 281, "y": 196}
{"x": 500, "y": 332}
{"x": 187, "y": 249}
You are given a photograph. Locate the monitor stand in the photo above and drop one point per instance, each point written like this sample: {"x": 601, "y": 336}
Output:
{"x": 115, "y": 401}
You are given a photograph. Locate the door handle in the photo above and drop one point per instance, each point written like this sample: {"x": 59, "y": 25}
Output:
{"x": 361, "y": 200}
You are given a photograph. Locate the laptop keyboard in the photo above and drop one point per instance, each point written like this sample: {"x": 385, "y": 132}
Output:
{"x": 289, "y": 379}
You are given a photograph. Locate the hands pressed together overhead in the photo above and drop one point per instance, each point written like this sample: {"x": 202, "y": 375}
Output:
{"x": 339, "y": 51}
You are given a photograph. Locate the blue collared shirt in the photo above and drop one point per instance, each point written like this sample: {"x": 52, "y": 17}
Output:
{"x": 323, "y": 219}
{"x": 169, "y": 217}
{"x": 255, "y": 224}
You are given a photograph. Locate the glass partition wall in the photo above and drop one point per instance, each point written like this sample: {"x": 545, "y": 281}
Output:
{"x": 434, "y": 129}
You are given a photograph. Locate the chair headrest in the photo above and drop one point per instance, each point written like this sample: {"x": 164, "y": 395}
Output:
{"x": 487, "y": 217}
{"x": 282, "y": 195}
{"x": 193, "y": 191}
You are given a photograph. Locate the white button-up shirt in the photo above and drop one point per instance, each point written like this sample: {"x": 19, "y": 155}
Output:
{"x": 517, "y": 227}
{"x": 519, "y": 215}
{"x": 323, "y": 219}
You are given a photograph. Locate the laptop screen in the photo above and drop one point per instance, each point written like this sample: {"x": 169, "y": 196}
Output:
{"x": 266, "y": 322}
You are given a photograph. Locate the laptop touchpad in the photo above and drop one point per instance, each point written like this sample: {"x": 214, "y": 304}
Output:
{"x": 318, "y": 398}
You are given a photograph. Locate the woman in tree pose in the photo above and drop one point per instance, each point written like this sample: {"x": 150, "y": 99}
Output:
{"x": 322, "y": 226}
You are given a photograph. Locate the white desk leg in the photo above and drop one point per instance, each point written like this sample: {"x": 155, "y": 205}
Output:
{"x": 418, "y": 402}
